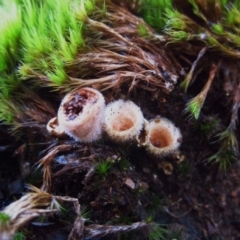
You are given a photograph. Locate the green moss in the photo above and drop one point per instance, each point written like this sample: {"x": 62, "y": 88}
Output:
{"x": 218, "y": 28}
{"x": 10, "y": 30}
{"x": 52, "y": 31}
{"x": 157, "y": 232}
{"x": 194, "y": 106}
{"x": 4, "y": 219}
{"x": 19, "y": 236}
{"x": 38, "y": 39}
{"x": 143, "y": 32}
{"x": 5, "y": 115}
{"x": 233, "y": 17}
{"x": 58, "y": 76}
{"x": 223, "y": 158}
{"x": 155, "y": 12}
{"x": 103, "y": 167}
{"x": 227, "y": 151}
{"x": 123, "y": 164}
{"x": 208, "y": 127}
{"x": 220, "y": 24}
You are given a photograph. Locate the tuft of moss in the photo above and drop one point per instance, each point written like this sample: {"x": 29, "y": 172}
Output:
{"x": 103, "y": 168}
{"x": 51, "y": 32}
{"x": 155, "y": 12}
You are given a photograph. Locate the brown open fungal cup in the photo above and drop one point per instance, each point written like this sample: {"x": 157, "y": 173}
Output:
{"x": 81, "y": 114}
{"x": 123, "y": 120}
{"x": 163, "y": 137}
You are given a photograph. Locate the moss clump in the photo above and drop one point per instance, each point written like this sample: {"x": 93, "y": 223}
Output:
{"x": 211, "y": 29}
{"x": 61, "y": 46}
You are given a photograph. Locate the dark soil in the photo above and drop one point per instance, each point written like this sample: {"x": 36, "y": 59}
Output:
{"x": 196, "y": 199}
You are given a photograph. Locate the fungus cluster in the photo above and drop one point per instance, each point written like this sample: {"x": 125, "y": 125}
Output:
{"x": 83, "y": 115}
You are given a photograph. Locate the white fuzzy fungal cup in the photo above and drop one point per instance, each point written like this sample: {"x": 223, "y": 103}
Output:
{"x": 81, "y": 114}
{"x": 54, "y": 129}
{"x": 163, "y": 137}
{"x": 123, "y": 120}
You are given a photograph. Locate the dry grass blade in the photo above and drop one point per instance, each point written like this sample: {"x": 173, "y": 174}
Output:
{"x": 195, "y": 105}
{"x": 235, "y": 107}
{"x": 85, "y": 166}
{"x": 78, "y": 227}
{"x": 46, "y": 163}
{"x": 31, "y": 205}
{"x": 189, "y": 78}
{"x": 102, "y": 27}
{"x": 116, "y": 54}
{"x": 119, "y": 55}
{"x": 98, "y": 231}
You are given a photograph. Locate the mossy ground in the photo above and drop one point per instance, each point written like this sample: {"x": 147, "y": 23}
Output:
{"x": 196, "y": 197}
{"x": 196, "y": 201}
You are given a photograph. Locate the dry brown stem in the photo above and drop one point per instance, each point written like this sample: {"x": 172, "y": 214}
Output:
{"x": 46, "y": 163}
{"x": 25, "y": 209}
{"x": 235, "y": 107}
{"x": 32, "y": 205}
{"x": 78, "y": 226}
{"x": 119, "y": 55}
{"x": 98, "y": 231}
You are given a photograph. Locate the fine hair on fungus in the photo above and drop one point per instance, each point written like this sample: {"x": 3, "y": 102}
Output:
{"x": 81, "y": 114}
{"x": 123, "y": 120}
{"x": 163, "y": 137}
